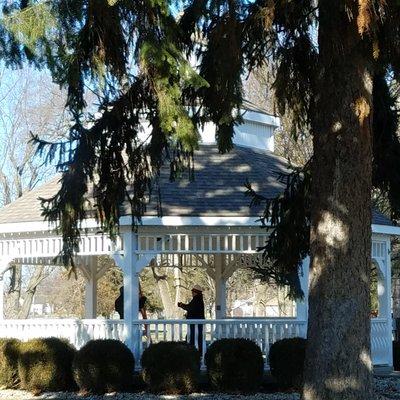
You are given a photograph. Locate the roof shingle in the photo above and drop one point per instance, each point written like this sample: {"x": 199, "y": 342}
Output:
{"x": 218, "y": 188}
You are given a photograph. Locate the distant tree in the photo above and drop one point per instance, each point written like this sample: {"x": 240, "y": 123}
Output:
{"x": 295, "y": 146}
{"x": 26, "y": 110}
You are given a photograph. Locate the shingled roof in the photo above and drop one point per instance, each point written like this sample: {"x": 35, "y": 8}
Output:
{"x": 217, "y": 190}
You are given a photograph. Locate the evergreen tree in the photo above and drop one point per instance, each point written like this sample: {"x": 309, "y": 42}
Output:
{"x": 328, "y": 55}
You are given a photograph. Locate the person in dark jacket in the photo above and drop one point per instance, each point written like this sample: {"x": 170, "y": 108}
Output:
{"x": 119, "y": 303}
{"x": 195, "y": 310}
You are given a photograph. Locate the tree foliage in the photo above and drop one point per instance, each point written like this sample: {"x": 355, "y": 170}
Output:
{"x": 134, "y": 57}
{"x": 288, "y": 216}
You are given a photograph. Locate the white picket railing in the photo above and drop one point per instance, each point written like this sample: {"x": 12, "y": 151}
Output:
{"x": 76, "y": 331}
{"x": 264, "y": 332}
{"x": 381, "y": 341}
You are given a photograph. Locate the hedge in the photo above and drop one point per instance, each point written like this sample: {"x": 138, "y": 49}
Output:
{"x": 103, "y": 366}
{"x": 46, "y": 365}
{"x": 286, "y": 360}
{"x": 9, "y": 352}
{"x": 171, "y": 368}
{"x": 234, "y": 365}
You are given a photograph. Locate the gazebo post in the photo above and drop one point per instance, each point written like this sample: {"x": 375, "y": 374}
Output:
{"x": 383, "y": 303}
{"x": 302, "y": 304}
{"x": 220, "y": 287}
{"x": 384, "y": 300}
{"x": 131, "y": 304}
{"x": 132, "y": 265}
{"x": 388, "y": 294}
{"x": 91, "y": 290}
{"x": 131, "y": 289}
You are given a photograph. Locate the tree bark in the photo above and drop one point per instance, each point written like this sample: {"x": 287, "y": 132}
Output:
{"x": 38, "y": 276}
{"x": 170, "y": 309}
{"x": 178, "y": 284}
{"x": 14, "y": 293}
{"x": 338, "y": 364}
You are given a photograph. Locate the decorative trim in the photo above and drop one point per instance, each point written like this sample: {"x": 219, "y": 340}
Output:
{"x": 44, "y": 226}
{"x": 386, "y": 229}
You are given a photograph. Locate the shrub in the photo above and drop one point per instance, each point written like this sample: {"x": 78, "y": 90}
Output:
{"x": 46, "y": 365}
{"x": 103, "y": 366}
{"x": 286, "y": 360}
{"x": 9, "y": 351}
{"x": 171, "y": 368}
{"x": 234, "y": 365}
{"x": 396, "y": 355}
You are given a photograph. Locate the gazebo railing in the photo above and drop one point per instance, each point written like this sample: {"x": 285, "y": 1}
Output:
{"x": 78, "y": 332}
{"x": 264, "y": 332}
{"x": 381, "y": 344}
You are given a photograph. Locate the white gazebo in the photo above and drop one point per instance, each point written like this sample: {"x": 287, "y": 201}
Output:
{"x": 205, "y": 223}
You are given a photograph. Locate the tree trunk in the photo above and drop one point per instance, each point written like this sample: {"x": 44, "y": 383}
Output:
{"x": 259, "y": 299}
{"x": 338, "y": 364}
{"x": 14, "y": 292}
{"x": 170, "y": 310}
{"x": 34, "y": 282}
{"x": 178, "y": 284}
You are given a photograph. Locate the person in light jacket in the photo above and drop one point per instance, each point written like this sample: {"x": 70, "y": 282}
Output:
{"x": 195, "y": 310}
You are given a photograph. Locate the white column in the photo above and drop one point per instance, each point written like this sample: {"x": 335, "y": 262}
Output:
{"x": 131, "y": 293}
{"x": 384, "y": 287}
{"x": 220, "y": 287}
{"x": 302, "y": 305}
{"x": 388, "y": 284}
{"x": 382, "y": 297}
{"x": 91, "y": 290}
{"x": 132, "y": 265}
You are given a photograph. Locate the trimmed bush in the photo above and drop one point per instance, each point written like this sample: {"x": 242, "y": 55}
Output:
{"x": 286, "y": 360}
{"x": 234, "y": 365}
{"x": 171, "y": 368}
{"x": 9, "y": 352}
{"x": 103, "y": 366}
{"x": 46, "y": 365}
{"x": 396, "y": 355}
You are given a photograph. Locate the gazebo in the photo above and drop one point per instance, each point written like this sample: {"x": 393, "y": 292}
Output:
{"x": 206, "y": 222}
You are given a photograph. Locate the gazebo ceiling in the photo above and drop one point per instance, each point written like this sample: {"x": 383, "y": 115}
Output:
{"x": 217, "y": 190}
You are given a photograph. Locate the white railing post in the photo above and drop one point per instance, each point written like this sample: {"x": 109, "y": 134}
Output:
{"x": 220, "y": 287}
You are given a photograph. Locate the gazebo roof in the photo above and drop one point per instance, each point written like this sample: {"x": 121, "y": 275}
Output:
{"x": 218, "y": 188}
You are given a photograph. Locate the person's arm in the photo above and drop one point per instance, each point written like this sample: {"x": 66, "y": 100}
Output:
{"x": 183, "y": 305}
